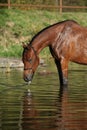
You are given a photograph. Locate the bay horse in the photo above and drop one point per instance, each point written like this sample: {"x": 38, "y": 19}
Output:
{"x": 67, "y": 41}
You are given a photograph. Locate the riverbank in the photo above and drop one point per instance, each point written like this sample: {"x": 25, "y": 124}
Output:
{"x": 11, "y": 63}
{"x": 14, "y": 63}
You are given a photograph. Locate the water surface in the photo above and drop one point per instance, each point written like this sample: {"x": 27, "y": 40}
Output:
{"x": 43, "y": 105}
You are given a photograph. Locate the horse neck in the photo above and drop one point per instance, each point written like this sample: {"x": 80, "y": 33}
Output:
{"x": 43, "y": 40}
{"x": 39, "y": 46}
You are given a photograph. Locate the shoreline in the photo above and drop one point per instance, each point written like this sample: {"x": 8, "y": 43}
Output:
{"x": 13, "y": 62}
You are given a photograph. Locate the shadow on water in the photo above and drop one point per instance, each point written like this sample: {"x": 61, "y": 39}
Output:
{"x": 43, "y": 105}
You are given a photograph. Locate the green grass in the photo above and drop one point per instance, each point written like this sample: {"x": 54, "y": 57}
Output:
{"x": 17, "y": 26}
{"x": 11, "y": 51}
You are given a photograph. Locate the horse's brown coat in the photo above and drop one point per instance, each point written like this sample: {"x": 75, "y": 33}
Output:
{"x": 67, "y": 41}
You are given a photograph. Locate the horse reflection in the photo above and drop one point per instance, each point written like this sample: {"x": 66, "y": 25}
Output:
{"x": 29, "y": 113}
{"x": 69, "y": 114}
{"x": 73, "y": 116}
{"x": 32, "y": 118}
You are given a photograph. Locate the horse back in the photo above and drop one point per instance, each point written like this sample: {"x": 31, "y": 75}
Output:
{"x": 71, "y": 42}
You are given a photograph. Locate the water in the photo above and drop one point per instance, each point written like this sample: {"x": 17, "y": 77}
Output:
{"x": 43, "y": 105}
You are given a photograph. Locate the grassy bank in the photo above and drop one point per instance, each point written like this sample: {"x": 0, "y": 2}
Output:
{"x": 17, "y": 26}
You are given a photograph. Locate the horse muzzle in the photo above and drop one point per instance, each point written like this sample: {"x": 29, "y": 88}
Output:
{"x": 28, "y": 78}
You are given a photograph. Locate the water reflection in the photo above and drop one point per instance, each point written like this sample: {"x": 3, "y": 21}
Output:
{"x": 66, "y": 115}
{"x": 73, "y": 112}
{"x": 37, "y": 117}
{"x": 43, "y": 105}
{"x": 29, "y": 112}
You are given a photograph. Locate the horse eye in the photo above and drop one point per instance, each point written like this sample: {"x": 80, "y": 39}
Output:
{"x": 30, "y": 61}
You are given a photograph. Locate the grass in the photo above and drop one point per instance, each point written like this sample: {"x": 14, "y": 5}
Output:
{"x": 17, "y": 26}
{"x": 11, "y": 51}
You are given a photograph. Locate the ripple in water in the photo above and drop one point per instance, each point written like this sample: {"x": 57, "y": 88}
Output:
{"x": 43, "y": 105}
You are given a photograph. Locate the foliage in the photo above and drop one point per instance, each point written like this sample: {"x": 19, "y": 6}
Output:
{"x": 48, "y": 2}
{"x": 3, "y": 1}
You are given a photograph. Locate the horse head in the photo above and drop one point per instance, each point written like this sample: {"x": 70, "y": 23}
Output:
{"x": 31, "y": 62}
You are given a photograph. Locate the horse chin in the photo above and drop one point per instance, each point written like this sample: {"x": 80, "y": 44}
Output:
{"x": 28, "y": 78}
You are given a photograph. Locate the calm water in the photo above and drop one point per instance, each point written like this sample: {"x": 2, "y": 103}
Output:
{"x": 42, "y": 105}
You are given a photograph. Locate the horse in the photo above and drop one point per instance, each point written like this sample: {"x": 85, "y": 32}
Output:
{"x": 67, "y": 41}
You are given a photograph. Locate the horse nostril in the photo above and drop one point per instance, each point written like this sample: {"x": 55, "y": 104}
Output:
{"x": 28, "y": 78}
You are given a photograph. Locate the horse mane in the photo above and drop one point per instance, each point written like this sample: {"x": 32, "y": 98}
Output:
{"x": 58, "y": 23}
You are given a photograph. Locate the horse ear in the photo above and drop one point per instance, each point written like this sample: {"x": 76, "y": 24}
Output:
{"x": 24, "y": 45}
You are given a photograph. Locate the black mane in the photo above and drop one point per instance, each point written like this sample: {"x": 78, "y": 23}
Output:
{"x": 49, "y": 27}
